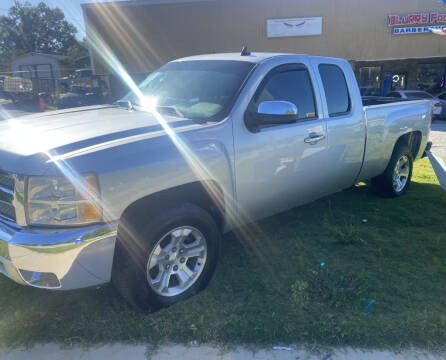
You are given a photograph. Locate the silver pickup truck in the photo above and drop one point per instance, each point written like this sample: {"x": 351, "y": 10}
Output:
{"x": 140, "y": 192}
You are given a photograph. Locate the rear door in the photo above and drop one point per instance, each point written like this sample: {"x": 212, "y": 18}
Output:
{"x": 282, "y": 166}
{"x": 346, "y": 129}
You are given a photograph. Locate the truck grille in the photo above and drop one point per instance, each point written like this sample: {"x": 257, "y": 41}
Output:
{"x": 7, "y": 196}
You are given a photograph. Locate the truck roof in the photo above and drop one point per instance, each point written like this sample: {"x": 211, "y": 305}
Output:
{"x": 254, "y": 57}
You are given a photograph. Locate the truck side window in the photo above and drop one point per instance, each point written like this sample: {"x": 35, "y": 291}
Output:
{"x": 336, "y": 91}
{"x": 293, "y": 86}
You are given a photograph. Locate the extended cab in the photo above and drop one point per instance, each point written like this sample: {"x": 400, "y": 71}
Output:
{"x": 141, "y": 191}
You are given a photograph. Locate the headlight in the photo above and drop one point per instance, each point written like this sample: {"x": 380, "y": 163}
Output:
{"x": 57, "y": 201}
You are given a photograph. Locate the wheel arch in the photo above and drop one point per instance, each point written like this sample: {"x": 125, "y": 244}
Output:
{"x": 206, "y": 194}
{"x": 412, "y": 140}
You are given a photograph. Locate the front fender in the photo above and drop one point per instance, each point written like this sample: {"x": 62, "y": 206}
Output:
{"x": 135, "y": 168}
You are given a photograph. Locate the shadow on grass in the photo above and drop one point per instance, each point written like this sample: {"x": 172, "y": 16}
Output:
{"x": 400, "y": 262}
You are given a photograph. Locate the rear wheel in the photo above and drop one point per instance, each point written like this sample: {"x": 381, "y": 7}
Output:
{"x": 168, "y": 259}
{"x": 396, "y": 178}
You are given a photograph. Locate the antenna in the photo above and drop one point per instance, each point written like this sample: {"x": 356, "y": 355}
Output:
{"x": 245, "y": 51}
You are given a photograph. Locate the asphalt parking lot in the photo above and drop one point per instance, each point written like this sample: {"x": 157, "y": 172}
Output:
{"x": 10, "y": 110}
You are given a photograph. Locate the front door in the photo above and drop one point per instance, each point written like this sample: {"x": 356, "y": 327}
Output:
{"x": 281, "y": 166}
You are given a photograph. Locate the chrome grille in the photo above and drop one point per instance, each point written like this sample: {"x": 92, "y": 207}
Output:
{"x": 7, "y": 196}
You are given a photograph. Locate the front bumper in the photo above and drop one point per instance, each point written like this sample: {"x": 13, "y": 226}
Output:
{"x": 61, "y": 259}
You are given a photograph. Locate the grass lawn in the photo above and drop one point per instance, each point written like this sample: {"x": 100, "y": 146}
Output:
{"x": 316, "y": 274}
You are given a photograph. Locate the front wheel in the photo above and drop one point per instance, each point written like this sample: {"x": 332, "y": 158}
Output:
{"x": 169, "y": 259}
{"x": 396, "y": 178}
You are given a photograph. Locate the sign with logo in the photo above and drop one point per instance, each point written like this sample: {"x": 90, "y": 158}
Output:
{"x": 293, "y": 27}
{"x": 429, "y": 22}
{"x": 419, "y": 18}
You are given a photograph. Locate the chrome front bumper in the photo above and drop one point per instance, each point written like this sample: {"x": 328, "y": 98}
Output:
{"x": 61, "y": 259}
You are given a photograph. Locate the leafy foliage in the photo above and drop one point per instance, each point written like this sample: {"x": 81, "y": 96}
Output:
{"x": 38, "y": 28}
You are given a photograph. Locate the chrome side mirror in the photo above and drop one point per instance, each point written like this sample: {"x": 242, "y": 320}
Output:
{"x": 271, "y": 113}
{"x": 277, "y": 108}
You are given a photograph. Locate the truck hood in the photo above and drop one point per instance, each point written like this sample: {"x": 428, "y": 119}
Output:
{"x": 59, "y": 132}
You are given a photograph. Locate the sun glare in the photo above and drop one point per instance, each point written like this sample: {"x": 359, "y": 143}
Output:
{"x": 149, "y": 103}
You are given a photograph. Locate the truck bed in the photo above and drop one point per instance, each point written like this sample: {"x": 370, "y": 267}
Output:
{"x": 381, "y": 100}
{"x": 386, "y": 122}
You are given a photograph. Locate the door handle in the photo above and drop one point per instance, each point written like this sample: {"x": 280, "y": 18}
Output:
{"x": 314, "y": 139}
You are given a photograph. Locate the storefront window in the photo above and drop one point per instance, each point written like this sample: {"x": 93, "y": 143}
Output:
{"x": 370, "y": 80}
{"x": 430, "y": 77}
{"x": 399, "y": 81}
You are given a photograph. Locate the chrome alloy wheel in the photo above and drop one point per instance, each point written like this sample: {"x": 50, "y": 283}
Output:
{"x": 401, "y": 173}
{"x": 177, "y": 261}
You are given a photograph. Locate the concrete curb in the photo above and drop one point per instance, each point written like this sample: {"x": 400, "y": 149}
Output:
{"x": 173, "y": 351}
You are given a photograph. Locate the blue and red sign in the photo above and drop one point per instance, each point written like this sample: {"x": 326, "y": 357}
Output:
{"x": 418, "y": 18}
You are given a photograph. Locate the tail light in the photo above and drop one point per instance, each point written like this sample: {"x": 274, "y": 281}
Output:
{"x": 432, "y": 115}
{"x": 437, "y": 104}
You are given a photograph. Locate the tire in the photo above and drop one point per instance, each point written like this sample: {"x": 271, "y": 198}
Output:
{"x": 174, "y": 233}
{"x": 400, "y": 166}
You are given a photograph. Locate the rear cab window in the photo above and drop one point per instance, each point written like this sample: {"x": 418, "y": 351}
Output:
{"x": 336, "y": 90}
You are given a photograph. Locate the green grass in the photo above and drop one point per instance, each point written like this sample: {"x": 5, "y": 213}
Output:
{"x": 316, "y": 275}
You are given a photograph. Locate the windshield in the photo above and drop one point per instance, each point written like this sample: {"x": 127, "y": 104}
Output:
{"x": 202, "y": 89}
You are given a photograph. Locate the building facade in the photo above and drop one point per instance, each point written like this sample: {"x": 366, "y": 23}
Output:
{"x": 388, "y": 42}
{"x": 39, "y": 66}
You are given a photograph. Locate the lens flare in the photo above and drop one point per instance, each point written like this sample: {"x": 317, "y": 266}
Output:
{"x": 4, "y": 114}
{"x": 251, "y": 235}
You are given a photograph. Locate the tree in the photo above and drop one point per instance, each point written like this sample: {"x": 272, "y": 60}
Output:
{"x": 78, "y": 52}
{"x": 37, "y": 28}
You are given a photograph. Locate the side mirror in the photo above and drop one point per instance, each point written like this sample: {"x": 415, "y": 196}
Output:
{"x": 277, "y": 108}
{"x": 271, "y": 113}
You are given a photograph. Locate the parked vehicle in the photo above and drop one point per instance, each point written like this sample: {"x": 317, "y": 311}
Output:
{"x": 83, "y": 88}
{"x": 17, "y": 88}
{"x": 78, "y": 96}
{"x": 140, "y": 192}
{"x": 416, "y": 95}
{"x": 25, "y": 89}
{"x": 442, "y": 99}
{"x": 81, "y": 77}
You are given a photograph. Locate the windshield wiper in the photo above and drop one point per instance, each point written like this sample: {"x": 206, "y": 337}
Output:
{"x": 170, "y": 109}
{"x": 125, "y": 103}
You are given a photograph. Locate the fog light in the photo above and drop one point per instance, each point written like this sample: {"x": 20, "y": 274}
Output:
{"x": 40, "y": 279}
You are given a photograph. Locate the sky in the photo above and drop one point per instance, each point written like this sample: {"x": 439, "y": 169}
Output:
{"x": 71, "y": 8}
